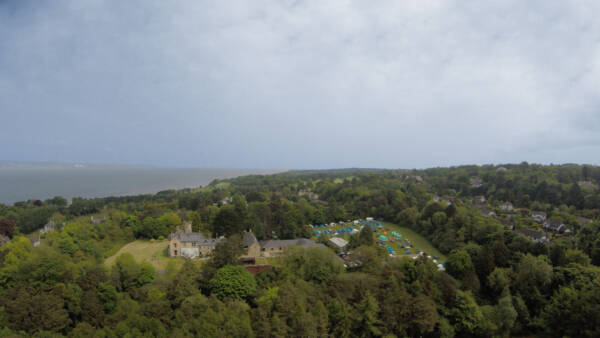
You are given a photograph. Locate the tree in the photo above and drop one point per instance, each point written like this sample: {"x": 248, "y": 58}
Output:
{"x": 459, "y": 263}
{"x": 312, "y": 264}
{"x": 424, "y": 315}
{"x": 7, "y": 227}
{"x": 340, "y": 319}
{"x": 226, "y": 221}
{"x": 505, "y": 314}
{"x": 576, "y": 197}
{"x": 367, "y": 323}
{"x": 465, "y": 315}
{"x": 234, "y": 282}
{"x": 128, "y": 275}
{"x": 365, "y": 237}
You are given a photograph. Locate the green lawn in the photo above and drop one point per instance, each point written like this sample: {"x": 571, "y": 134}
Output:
{"x": 417, "y": 241}
{"x": 153, "y": 252}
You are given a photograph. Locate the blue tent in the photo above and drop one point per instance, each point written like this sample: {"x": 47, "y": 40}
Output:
{"x": 407, "y": 251}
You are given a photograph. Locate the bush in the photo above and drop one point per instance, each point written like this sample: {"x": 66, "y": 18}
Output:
{"x": 233, "y": 281}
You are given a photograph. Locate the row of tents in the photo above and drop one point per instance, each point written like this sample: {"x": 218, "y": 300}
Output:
{"x": 333, "y": 231}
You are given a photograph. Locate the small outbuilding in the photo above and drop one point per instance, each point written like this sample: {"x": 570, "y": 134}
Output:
{"x": 339, "y": 243}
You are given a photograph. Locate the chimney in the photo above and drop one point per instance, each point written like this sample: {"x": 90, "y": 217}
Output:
{"x": 187, "y": 226}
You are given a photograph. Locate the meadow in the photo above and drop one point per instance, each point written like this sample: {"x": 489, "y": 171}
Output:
{"x": 153, "y": 252}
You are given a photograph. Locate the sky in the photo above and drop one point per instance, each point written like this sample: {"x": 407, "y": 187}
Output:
{"x": 300, "y": 84}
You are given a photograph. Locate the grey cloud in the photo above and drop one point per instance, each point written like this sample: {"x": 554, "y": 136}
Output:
{"x": 299, "y": 83}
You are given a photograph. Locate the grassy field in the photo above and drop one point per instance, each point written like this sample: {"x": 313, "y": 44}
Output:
{"x": 153, "y": 252}
{"x": 417, "y": 241}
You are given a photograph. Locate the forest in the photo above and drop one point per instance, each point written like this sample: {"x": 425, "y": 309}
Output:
{"x": 497, "y": 282}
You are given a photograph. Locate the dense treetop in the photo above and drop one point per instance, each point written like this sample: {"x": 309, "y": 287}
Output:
{"x": 497, "y": 282}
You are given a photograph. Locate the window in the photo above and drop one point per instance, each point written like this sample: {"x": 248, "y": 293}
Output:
{"x": 175, "y": 253}
{"x": 174, "y": 245}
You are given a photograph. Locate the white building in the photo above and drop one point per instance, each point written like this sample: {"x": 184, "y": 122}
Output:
{"x": 339, "y": 242}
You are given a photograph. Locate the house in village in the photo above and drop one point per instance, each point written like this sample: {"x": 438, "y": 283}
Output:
{"x": 48, "y": 227}
{"x": 506, "y": 206}
{"x": 35, "y": 241}
{"x": 476, "y": 182}
{"x": 51, "y": 226}
{"x": 479, "y": 199}
{"x": 535, "y": 236}
{"x": 97, "y": 220}
{"x": 556, "y": 226}
{"x": 538, "y": 216}
{"x": 309, "y": 194}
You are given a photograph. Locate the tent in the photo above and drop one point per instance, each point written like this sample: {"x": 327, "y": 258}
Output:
{"x": 407, "y": 251}
{"x": 383, "y": 238}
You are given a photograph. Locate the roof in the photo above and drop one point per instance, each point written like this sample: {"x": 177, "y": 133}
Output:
{"x": 193, "y": 237}
{"x": 339, "y": 242}
{"x": 282, "y": 243}
{"x": 555, "y": 225}
{"x": 254, "y": 269}
{"x": 249, "y": 238}
{"x": 530, "y": 233}
{"x": 541, "y": 213}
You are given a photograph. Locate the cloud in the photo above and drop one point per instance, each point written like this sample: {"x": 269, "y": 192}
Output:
{"x": 300, "y": 84}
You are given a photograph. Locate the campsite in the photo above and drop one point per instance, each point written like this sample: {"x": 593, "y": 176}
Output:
{"x": 398, "y": 241}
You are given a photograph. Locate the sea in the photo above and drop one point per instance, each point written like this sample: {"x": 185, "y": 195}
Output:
{"x": 21, "y": 182}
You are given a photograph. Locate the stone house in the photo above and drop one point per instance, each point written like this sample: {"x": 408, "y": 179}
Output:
{"x": 507, "y": 206}
{"x": 276, "y": 247}
{"x": 251, "y": 245}
{"x": 556, "y": 226}
{"x": 190, "y": 244}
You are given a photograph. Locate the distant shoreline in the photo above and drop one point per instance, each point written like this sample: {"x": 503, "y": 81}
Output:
{"x": 21, "y": 184}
